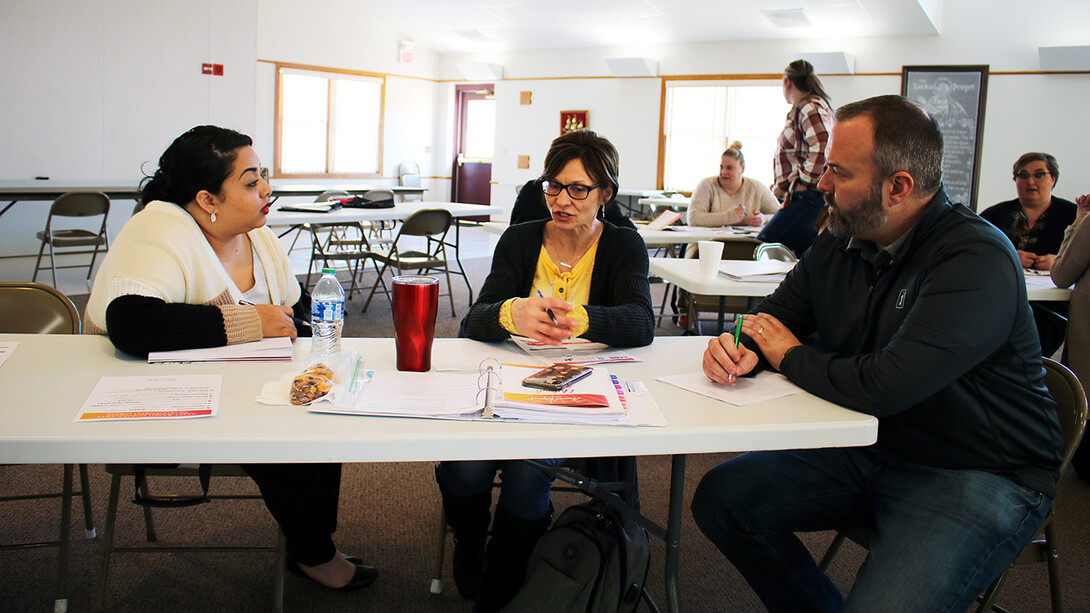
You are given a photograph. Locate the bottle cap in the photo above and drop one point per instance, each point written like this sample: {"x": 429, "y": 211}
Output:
{"x": 329, "y": 271}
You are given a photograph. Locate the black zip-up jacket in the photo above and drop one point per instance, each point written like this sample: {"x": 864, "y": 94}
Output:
{"x": 937, "y": 342}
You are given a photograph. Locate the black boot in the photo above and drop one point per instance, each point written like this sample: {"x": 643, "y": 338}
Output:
{"x": 468, "y": 517}
{"x": 512, "y": 542}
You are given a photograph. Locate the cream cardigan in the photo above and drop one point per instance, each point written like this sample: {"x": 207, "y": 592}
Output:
{"x": 162, "y": 253}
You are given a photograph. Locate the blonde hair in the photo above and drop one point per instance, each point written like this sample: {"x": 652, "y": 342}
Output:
{"x": 734, "y": 150}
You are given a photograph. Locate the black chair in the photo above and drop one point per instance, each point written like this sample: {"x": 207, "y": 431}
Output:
{"x": 1071, "y": 409}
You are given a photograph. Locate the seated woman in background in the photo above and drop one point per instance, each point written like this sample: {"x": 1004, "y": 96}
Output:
{"x": 1035, "y": 223}
{"x": 198, "y": 268}
{"x": 1036, "y": 220}
{"x": 731, "y": 199}
{"x": 1072, "y": 266}
{"x": 593, "y": 276}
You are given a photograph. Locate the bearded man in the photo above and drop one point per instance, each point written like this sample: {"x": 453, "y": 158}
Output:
{"x": 921, "y": 318}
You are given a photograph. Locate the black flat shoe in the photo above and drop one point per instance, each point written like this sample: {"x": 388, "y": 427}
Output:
{"x": 363, "y": 576}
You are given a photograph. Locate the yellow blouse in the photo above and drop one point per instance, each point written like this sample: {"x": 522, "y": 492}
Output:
{"x": 573, "y": 286}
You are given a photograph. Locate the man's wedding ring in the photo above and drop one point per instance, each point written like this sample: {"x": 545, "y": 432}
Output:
{"x": 761, "y": 331}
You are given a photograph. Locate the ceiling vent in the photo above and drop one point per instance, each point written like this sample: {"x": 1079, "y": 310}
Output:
{"x": 789, "y": 18}
{"x": 474, "y": 35}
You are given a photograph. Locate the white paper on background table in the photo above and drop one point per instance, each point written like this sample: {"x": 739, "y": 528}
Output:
{"x": 162, "y": 397}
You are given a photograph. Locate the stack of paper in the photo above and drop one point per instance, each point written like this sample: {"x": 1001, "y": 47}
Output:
{"x": 266, "y": 350}
{"x": 572, "y": 351}
{"x": 755, "y": 270}
{"x": 664, "y": 219}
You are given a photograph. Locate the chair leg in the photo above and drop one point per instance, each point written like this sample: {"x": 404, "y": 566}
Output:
{"x": 371, "y": 295}
{"x": 450, "y": 292}
{"x": 1053, "y": 568}
{"x": 38, "y": 264}
{"x": 107, "y": 542}
{"x": 60, "y": 603}
{"x": 278, "y": 581}
{"x": 85, "y": 493}
{"x": 987, "y": 599}
{"x": 440, "y": 549}
{"x": 834, "y": 547}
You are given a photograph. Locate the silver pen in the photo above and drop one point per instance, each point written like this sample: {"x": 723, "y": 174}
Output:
{"x": 549, "y": 311}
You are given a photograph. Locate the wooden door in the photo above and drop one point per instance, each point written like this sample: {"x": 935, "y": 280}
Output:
{"x": 475, "y": 141}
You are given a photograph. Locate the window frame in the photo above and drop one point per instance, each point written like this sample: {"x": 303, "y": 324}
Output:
{"x": 727, "y": 80}
{"x": 331, "y": 74}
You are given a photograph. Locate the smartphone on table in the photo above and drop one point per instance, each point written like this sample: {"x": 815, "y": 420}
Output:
{"x": 557, "y": 376}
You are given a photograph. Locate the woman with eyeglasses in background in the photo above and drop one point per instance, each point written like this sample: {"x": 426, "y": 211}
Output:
{"x": 1036, "y": 220}
{"x": 592, "y": 278}
{"x": 1035, "y": 223}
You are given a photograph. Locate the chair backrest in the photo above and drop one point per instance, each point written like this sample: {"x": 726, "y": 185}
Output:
{"x": 740, "y": 248}
{"x": 330, "y": 194}
{"x": 80, "y": 204}
{"x": 377, "y": 194}
{"x": 408, "y": 168}
{"x": 34, "y": 308}
{"x": 1067, "y": 391}
{"x": 427, "y": 222}
{"x": 774, "y": 251}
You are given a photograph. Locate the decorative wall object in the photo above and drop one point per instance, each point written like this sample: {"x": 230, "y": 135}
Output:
{"x": 955, "y": 96}
{"x": 571, "y": 121}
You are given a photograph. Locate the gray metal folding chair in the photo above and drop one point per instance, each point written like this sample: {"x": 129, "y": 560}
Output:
{"x": 408, "y": 175}
{"x": 432, "y": 225}
{"x": 1071, "y": 408}
{"x": 73, "y": 204}
{"x": 34, "y": 308}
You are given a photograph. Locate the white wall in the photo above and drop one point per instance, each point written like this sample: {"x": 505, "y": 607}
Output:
{"x": 103, "y": 87}
{"x": 1024, "y": 112}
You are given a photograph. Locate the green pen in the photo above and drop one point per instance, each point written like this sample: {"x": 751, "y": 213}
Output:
{"x": 737, "y": 339}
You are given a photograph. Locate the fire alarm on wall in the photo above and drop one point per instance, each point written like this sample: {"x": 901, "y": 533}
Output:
{"x": 206, "y": 68}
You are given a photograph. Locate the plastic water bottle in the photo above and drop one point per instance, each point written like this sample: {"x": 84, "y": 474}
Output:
{"x": 326, "y": 315}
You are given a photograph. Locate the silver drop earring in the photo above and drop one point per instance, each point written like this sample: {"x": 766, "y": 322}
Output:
{"x": 213, "y": 218}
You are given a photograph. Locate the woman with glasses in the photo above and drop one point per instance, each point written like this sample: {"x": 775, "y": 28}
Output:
{"x": 1035, "y": 223}
{"x": 574, "y": 274}
{"x": 1036, "y": 220}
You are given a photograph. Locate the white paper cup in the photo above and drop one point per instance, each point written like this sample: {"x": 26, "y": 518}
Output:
{"x": 711, "y": 252}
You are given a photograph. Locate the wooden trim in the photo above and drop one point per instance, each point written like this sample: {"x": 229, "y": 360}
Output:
{"x": 370, "y": 74}
{"x": 330, "y": 114}
{"x": 660, "y": 178}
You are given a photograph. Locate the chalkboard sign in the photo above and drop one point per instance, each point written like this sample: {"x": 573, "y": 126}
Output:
{"x": 954, "y": 95}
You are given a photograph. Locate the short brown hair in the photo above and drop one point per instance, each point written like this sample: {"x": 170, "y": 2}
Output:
{"x": 599, "y": 157}
{"x": 906, "y": 138}
{"x": 1039, "y": 156}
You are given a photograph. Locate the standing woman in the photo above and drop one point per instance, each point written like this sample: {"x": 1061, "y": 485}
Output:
{"x": 1072, "y": 266}
{"x": 198, "y": 268}
{"x": 591, "y": 277}
{"x": 800, "y": 159}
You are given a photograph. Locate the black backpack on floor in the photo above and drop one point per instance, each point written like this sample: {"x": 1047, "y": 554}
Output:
{"x": 593, "y": 560}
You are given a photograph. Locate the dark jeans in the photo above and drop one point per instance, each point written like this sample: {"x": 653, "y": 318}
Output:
{"x": 939, "y": 537}
{"x": 794, "y": 226}
{"x": 524, "y": 490}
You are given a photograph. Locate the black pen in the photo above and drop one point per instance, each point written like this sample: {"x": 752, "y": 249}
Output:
{"x": 547, "y": 310}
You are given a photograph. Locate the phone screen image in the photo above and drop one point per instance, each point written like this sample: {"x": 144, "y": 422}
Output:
{"x": 557, "y": 376}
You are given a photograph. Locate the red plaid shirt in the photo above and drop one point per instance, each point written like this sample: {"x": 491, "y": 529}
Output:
{"x": 800, "y": 156}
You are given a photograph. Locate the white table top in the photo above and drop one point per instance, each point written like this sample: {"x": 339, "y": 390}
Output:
{"x": 676, "y": 201}
{"x": 48, "y": 377}
{"x": 685, "y": 273}
{"x": 658, "y": 238}
{"x": 399, "y": 211}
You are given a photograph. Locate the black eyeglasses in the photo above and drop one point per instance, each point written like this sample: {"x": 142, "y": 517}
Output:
{"x": 576, "y": 191}
{"x": 1037, "y": 176}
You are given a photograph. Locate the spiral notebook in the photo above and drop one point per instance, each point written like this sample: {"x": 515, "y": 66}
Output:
{"x": 490, "y": 394}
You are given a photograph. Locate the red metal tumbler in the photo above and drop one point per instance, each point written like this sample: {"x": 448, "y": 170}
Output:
{"x": 416, "y": 300}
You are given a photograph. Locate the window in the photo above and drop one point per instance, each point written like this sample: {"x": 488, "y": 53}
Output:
{"x": 328, "y": 124}
{"x": 702, "y": 118}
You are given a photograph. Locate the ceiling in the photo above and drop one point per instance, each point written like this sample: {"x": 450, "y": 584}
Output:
{"x": 453, "y": 26}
